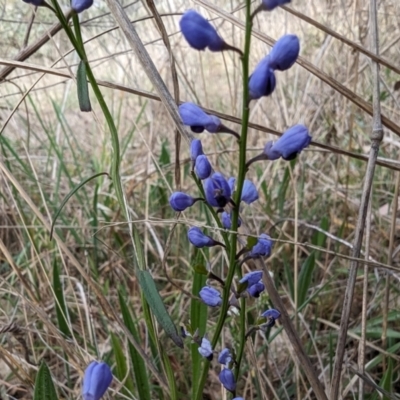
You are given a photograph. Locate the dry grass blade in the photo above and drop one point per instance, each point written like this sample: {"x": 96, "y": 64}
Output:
{"x": 147, "y": 63}
{"x": 304, "y": 361}
{"x": 376, "y": 138}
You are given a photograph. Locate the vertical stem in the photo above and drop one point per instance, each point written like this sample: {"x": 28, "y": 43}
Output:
{"x": 235, "y": 213}
{"x": 376, "y": 138}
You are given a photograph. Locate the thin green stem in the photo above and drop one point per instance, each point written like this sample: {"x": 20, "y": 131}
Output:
{"x": 235, "y": 212}
{"x": 243, "y": 337}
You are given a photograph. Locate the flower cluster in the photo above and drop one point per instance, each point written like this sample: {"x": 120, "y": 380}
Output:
{"x": 221, "y": 193}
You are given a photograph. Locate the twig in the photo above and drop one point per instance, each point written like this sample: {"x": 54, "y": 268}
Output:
{"x": 304, "y": 361}
{"x": 376, "y": 138}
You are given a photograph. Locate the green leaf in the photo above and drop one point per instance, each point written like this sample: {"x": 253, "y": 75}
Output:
{"x": 121, "y": 369}
{"x": 61, "y": 309}
{"x": 44, "y": 386}
{"x": 251, "y": 242}
{"x": 83, "y": 88}
{"x": 69, "y": 195}
{"x": 157, "y": 306}
{"x": 138, "y": 365}
{"x": 305, "y": 277}
{"x": 200, "y": 269}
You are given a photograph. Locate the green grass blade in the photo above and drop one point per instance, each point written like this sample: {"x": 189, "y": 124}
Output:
{"x": 138, "y": 365}
{"x": 83, "y": 88}
{"x": 121, "y": 371}
{"x": 61, "y": 309}
{"x": 305, "y": 278}
{"x": 69, "y": 195}
{"x": 44, "y": 386}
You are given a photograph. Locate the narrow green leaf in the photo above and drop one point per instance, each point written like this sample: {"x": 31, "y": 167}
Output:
{"x": 200, "y": 269}
{"x": 157, "y": 306}
{"x": 61, "y": 309}
{"x": 69, "y": 195}
{"x": 121, "y": 371}
{"x": 305, "y": 277}
{"x": 44, "y": 386}
{"x": 138, "y": 365}
{"x": 83, "y": 88}
{"x": 251, "y": 242}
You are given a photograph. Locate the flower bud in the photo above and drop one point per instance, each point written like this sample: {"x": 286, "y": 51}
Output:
{"x": 199, "y": 239}
{"x": 217, "y": 190}
{"x": 284, "y": 53}
{"x": 80, "y": 5}
{"x": 249, "y": 192}
{"x": 97, "y": 379}
{"x": 203, "y": 167}
{"x": 196, "y": 149}
{"x": 271, "y": 315}
{"x": 199, "y": 33}
{"x": 262, "y": 248}
{"x": 197, "y": 119}
{"x": 252, "y": 278}
{"x": 225, "y": 357}
{"x": 227, "y": 379}
{"x": 36, "y": 3}
{"x": 256, "y": 289}
{"x": 291, "y": 143}
{"x": 205, "y": 349}
{"x": 269, "y": 5}
{"x": 210, "y": 296}
{"x": 262, "y": 81}
{"x": 180, "y": 201}
{"x": 227, "y": 220}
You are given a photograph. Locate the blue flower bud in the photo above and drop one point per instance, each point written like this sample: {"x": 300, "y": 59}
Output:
{"x": 205, "y": 349}
{"x": 180, "y": 201}
{"x": 203, "y": 167}
{"x": 227, "y": 379}
{"x": 256, "y": 289}
{"x": 231, "y": 182}
{"x": 262, "y": 81}
{"x": 199, "y": 33}
{"x": 238, "y": 398}
{"x": 262, "y": 248}
{"x": 252, "y": 278}
{"x": 196, "y": 149}
{"x": 291, "y": 143}
{"x": 36, "y": 3}
{"x": 249, "y": 192}
{"x": 227, "y": 220}
{"x": 197, "y": 119}
{"x": 80, "y": 5}
{"x": 284, "y": 53}
{"x": 199, "y": 239}
{"x": 97, "y": 379}
{"x": 272, "y": 315}
{"x": 210, "y": 296}
{"x": 269, "y": 5}
{"x": 225, "y": 357}
{"x": 217, "y": 190}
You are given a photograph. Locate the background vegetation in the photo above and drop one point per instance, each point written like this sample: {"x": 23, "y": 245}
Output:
{"x": 49, "y": 309}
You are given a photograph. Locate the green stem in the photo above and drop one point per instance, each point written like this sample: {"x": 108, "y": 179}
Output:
{"x": 235, "y": 213}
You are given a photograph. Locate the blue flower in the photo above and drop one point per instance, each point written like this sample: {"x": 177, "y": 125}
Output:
{"x": 291, "y": 143}
{"x": 199, "y": 33}
{"x": 256, "y": 289}
{"x": 262, "y": 81}
{"x": 227, "y": 379}
{"x": 262, "y": 248}
{"x": 203, "y": 167}
{"x": 97, "y": 379}
{"x": 225, "y": 357}
{"x": 227, "y": 220}
{"x": 271, "y": 315}
{"x": 36, "y": 3}
{"x": 210, "y": 296}
{"x": 80, "y": 5}
{"x": 252, "y": 278}
{"x": 199, "y": 239}
{"x": 197, "y": 119}
{"x": 180, "y": 201}
{"x": 271, "y": 4}
{"x": 284, "y": 53}
{"x": 238, "y": 398}
{"x": 217, "y": 190}
{"x": 196, "y": 149}
{"x": 205, "y": 349}
{"x": 249, "y": 192}
{"x": 231, "y": 183}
